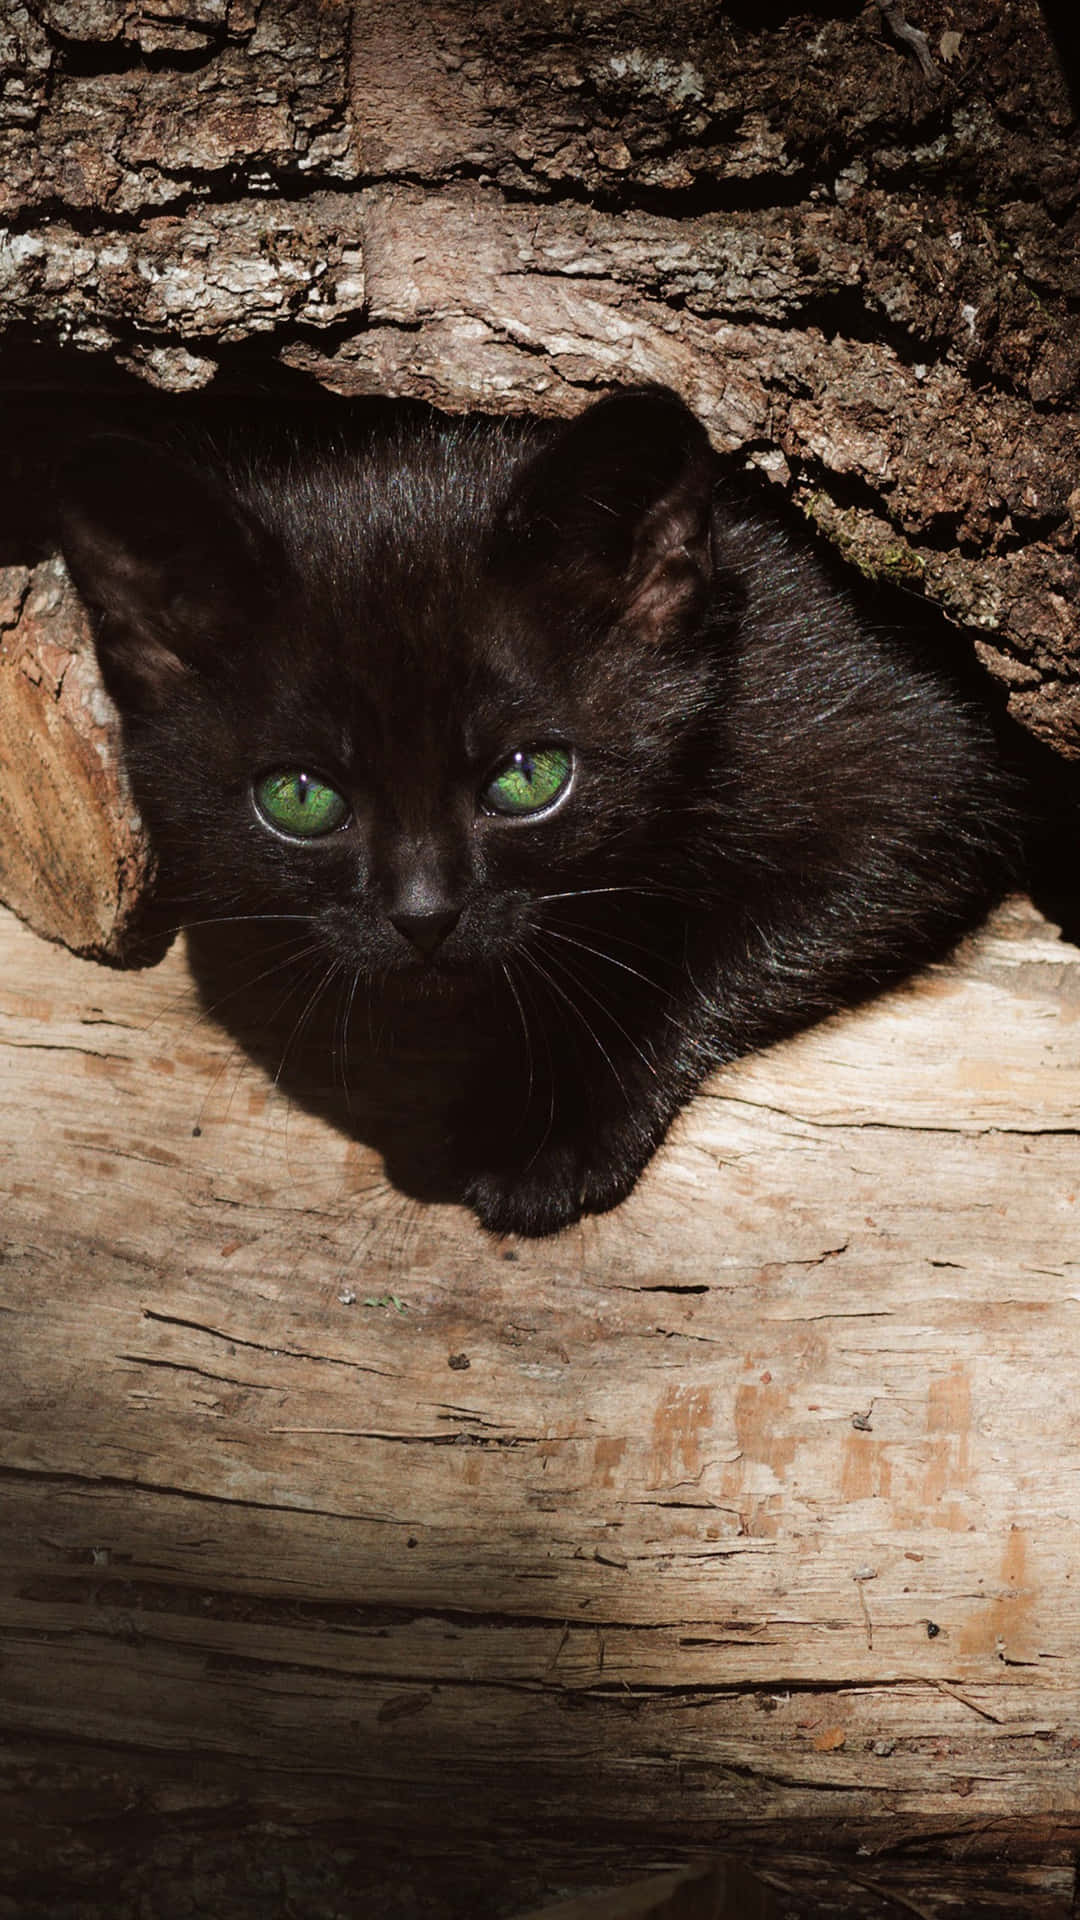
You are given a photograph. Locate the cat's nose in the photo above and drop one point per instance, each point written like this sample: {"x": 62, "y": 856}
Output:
{"x": 426, "y": 930}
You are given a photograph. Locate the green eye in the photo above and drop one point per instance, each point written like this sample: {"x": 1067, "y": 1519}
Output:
{"x": 529, "y": 781}
{"x": 300, "y": 804}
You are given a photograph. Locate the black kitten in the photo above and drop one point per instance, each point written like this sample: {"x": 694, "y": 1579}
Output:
{"x": 543, "y": 708}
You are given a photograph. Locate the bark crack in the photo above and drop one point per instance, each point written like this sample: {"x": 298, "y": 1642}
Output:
{"x": 276, "y": 1352}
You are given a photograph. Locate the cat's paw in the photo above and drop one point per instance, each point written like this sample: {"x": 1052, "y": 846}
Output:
{"x": 547, "y": 1196}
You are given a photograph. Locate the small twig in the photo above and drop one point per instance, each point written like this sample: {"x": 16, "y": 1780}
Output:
{"x": 864, "y": 1574}
{"x": 892, "y": 14}
{"x": 554, "y": 1661}
{"x": 984, "y": 1713}
{"x": 888, "y": 1893}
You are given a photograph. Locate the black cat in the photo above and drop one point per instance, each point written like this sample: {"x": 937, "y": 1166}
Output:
{"x": 546, "y": 709}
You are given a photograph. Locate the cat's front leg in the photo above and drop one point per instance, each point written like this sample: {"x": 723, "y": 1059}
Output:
{"x": 594, "y": 1132}
{"x": 563, "y": 1181}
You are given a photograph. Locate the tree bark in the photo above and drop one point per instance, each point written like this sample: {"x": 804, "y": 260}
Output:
{"x": 864, "y": 276}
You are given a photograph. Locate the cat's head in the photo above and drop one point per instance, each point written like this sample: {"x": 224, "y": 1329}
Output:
{"x": 413, "y": 685}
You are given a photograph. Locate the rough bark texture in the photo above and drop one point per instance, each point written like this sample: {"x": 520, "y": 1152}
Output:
{"x": 337, "y": 1535}
{"x": 865, "y": 277}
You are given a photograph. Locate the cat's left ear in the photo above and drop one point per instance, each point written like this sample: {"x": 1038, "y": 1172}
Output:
{"x": 620, "y": 505}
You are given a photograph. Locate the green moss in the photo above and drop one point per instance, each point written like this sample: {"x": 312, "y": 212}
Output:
{"x": 861, "y": 540}
{"x": 900, "y": 563}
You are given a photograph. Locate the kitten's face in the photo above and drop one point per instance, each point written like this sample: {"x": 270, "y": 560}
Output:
{"x": 421, "y": 690}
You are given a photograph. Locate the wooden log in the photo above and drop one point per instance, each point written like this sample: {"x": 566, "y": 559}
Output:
{"x": 742, "y": 1515}
{"x": 74, "y": 860}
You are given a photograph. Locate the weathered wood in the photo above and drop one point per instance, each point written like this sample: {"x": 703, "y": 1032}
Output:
{"x": 748, "y": 1509}
{"x": 723, "y": 1893}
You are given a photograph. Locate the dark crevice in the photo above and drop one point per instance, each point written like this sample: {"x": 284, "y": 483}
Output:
{"x": 1026, "y": 533}
{"x": 94, "y": 59}
{"x": 707, "y": 194}
{"x": 1060, "y": 18}
{"x": 939, "y": 534}
{"x": 231, "y": 1341}
{"x": 197, "y": 189}
{"x": 94, "y": 223}
{"x": 254, "y": 183}
{"x": 357, "y": 1617}
{"x": 684, "y": 1506}
{"x": 712, "y": 193}
{"x": 671, "y": 1286}
{"x": 844, "y": 313}
{"x": 201, "y": 1373}
{"x": 845, "y": 490}
{"x": 91, "y": 1483}
{"x": 984, "y": 376}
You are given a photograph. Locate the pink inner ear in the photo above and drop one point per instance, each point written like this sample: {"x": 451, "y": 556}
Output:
{"x": 672, "y": 559}
{"x": 139, "y": 669}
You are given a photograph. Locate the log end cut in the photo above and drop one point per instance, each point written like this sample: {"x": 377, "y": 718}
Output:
{"x": 74, "y": 859}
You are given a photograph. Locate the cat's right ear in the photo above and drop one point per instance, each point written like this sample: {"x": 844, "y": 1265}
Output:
{"x": 619, "y": 503}
{"x": 161, "y": 559}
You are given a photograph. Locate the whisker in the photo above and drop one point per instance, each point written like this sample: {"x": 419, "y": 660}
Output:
{"x": 654, "y": 890}
{"x": 190, "y": 986}
{"x": 334, "y": 968}
{"x": 267, "y": 973}
{"x": 331, "y": 973}
{"x": 233, "y": 920}
{"x": 542, "y": 1025}
{"x": 508, "y": 977}
{"x": 565, "y": 968}
{"x": 580, "y": 1016}
{"x": 550, "y": 1121}
{"x": 569, "y": 940}
{"x": 343, "y": 1030}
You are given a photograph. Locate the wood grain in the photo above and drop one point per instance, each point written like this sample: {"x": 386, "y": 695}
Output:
{"x": 752, "y": 1502}
{"x": 74, "y": 860}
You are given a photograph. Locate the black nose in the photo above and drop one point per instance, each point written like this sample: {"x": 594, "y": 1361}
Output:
{"x": 426, "y": 930}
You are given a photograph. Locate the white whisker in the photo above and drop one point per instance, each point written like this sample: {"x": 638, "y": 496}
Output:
{"x": 569, "y": 940}
{"x": 583, "y": 1021}
{"x": 649, "y": 1065}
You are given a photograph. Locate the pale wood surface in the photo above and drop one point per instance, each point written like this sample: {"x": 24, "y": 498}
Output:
{"x": 758, "y": 1500}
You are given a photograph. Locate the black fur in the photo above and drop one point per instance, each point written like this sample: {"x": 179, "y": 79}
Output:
{"x": 772, "y": 809}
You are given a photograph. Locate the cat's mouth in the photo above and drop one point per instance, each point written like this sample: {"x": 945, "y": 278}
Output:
{"x": 432, "y": 985}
